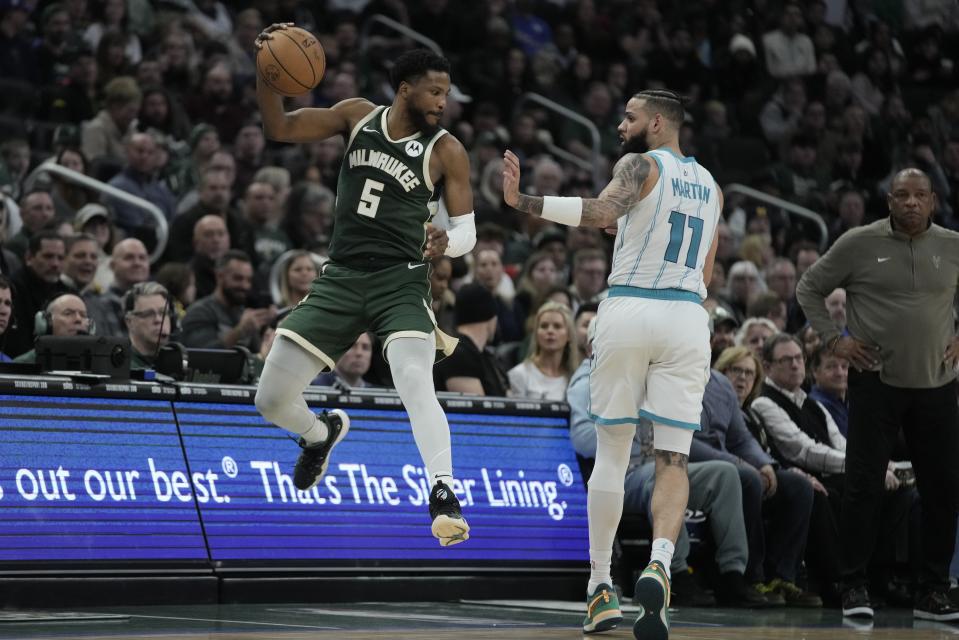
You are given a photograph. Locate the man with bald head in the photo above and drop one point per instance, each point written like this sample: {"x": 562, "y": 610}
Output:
{"x": 900, "y": 274}
{"x": 63, "y": 315}
{"x": 211, "y": 241}
{"x": 139, "y": 178}
{"x": 130, "y": 264}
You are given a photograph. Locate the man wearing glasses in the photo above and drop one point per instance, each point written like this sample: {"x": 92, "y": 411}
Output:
{"x": 148, "y": 316}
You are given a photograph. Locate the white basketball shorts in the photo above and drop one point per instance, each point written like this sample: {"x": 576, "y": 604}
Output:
{"x": 650, "y": 359}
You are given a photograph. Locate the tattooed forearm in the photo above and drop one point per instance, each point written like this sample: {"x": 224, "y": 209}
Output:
{"x": 530, "y": 204}
{"x": 672, "y": 459}
{"x": 622, "y": 192}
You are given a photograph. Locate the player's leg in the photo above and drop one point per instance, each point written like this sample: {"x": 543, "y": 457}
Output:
{"x": 674, "y": 395}
{"x": 411, "y": 363}
{"x": 288, "y": 370}
{"x": 315, "y": 334}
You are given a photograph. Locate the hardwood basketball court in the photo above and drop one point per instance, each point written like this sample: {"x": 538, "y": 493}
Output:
{"x": 467, "y": 620}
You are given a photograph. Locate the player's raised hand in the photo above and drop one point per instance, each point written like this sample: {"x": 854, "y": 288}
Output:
{"x": 436, "y": 242}
{"x": 510, "y": 178}
{"x": 266, "y": 33}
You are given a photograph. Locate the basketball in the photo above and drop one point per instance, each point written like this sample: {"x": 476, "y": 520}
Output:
{"x": 292, "y": 62}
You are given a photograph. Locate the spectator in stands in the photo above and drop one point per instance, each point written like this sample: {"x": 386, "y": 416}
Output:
{"x": 178, "y": 279}
{"x": 111, "y": 16}
{"x": 165, "y": 116}
{"x": 139, "y": 178}
{"x": 781, "y": 116}
{"x": 68, "y": 197}
{"x": 51, "y": 51}
{"x": 80, "y": 262}
{"x": 754, "y": 333}
{"x": 351, "y": 367}
{"x": 214, "y": 200}
{"x": 308, "y": 217}
{"x": 443, "y": 301}
{"x": 222, "y": 320}
{"x": 220, "y": 160}
{"x": 723, "y": 326}
{"x": 103, "y": 135}
{"x": 473, "y": 368}
{"x": 788, "y": 51}
{"x": 130, "y": 264}
{"x": 851, "y": 212}
{"x": 830, "y": 374}
{"x": 552, "y": 359}
{"x": 776, "y": 503}
{"x": 538, "y": 277}
{"x": 714, "y": 489}
{"x": 211, "y": 241}
{"x": 836, "y": 306}
{"x": 299, "y": 272}
{"x": 216, "y": 102}
{"x": 248, "y": 151}
{"x": 769, "y": 306}
{"x": 64, "y": 315}
{"x": 744, "y": 284}
{"x": 590, "y": 268}
{"x": 17, "y": 57}
{"x": 148, "y": 314}
{"x": 489, "y": 273}
{"x": 203, "y": 141}
{"x": 33, "y": 285}
{"x": 37, "y": 213}
{"x": 744, "y": 370}
{"x": 259, "y": 209}
{"x": 584, "y": 314}
{"x": 6, "y": 313}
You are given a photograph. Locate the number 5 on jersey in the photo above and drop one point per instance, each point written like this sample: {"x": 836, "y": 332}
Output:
{"x": 370, "y": 201}
{"x": 677, "y": 233}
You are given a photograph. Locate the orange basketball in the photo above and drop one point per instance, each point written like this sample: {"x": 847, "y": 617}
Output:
{"x": 292, "y": 62}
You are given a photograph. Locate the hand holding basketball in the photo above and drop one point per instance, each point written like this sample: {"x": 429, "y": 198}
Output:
{"x": 289, "y": 60}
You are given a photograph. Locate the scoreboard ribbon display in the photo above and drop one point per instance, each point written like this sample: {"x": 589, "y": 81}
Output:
{"x": 205, "y": 478}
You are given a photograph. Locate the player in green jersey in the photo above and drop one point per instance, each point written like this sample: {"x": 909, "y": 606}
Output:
{"x": 397, "y": 158}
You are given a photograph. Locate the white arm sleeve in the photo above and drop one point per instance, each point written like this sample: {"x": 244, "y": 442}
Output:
{"x": 461, "y": 234}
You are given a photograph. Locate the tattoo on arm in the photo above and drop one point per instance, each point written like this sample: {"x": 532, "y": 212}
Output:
{"x": 622, "y": 192}
{"x": 672, "y": 459}
{"x": 530, "y": 204}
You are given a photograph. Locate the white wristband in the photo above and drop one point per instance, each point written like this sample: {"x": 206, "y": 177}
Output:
{"x": 461, "y": 235}
{"x": 568, "y": 211}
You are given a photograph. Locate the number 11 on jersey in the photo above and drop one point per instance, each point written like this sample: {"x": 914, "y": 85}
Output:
{"x": 677, "y": 233}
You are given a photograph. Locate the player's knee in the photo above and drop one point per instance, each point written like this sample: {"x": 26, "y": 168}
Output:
{"x": 268, "y": 403}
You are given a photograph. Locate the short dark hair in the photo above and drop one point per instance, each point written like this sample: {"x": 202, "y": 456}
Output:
{"x": 586, "y": 307}
{"x": 491, "y": 232}
{"x": 229, "y": 256}
{"x": 769, "y": 347}
{"x": 821, "y": 353}
{"x": 416, "y": 63}
{"x": 78, "y": 237}
{"x": 36, "y": 240}
{"x": 667, "y": 103}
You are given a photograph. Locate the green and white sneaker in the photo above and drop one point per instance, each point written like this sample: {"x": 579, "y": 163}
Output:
{"x": 602, "y": 610}
{"x": 652, "y": 596}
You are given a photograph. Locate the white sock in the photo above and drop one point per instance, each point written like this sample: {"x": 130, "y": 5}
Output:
{"x": 604, "y": 509}
{"x": 319, "y": 432}
{"x": 411, "y": 363}
{"x": 663, "y": 550}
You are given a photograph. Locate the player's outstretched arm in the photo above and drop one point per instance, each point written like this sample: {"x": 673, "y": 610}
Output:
{"x": 303, "y": 125}
{"x": 458, "y": 195}
{"x": 627, "y": 187}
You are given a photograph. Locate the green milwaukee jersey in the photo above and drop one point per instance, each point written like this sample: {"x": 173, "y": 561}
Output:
{"x": 383, "y": 195}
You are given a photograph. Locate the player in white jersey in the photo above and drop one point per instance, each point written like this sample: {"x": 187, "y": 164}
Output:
{"x": 651, "y": 351}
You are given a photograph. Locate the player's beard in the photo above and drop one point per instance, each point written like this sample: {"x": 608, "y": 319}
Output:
{"x": 422, "y": 125}
{"x": 636, "y": 144}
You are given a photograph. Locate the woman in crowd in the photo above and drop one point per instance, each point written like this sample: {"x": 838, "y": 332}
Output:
{"x": 553, "y": 357}
{"x": 296, "y": 277}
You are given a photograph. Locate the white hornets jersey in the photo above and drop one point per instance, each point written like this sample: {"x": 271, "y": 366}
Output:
{"x": 663, "y": 240}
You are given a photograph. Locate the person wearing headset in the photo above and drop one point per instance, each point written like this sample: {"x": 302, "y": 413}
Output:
{"x": 148, "y": 314}
{"x": 64, "y": 315}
